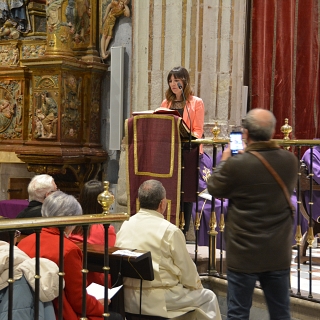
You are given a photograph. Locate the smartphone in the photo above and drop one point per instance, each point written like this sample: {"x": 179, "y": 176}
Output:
{"x": 235, "y": 142}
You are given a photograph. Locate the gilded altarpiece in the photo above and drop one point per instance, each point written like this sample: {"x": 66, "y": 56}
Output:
{"x": 50, "y": 88}
{"x": 11, "y": 109}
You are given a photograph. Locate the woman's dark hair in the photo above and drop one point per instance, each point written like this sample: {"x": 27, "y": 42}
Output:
{"x": 89, "y": 203}
{"x": 183, "y": 74}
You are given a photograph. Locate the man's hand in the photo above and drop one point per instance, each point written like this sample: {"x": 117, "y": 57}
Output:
{"x": 226, "y": 154}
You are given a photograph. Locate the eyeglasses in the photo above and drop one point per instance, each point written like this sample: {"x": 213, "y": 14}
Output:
{"x": 17, "y": 234}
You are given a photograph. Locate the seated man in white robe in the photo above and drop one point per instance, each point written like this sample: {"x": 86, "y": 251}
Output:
{"x": 176, "y": 288}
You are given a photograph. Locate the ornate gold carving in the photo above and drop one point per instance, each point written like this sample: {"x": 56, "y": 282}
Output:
{"x": 9, "y": 30}
{"x": 48, "y": 169}
{"x": 71, "y": 106}
{"x": 45, "y": 116}
{"x": 95, "y": 110}
{"x": 9, "y": 54}
{"x": 33, "y": 51}
{"x": 11, "y": 101}
{"x": 46, "y": 82}
{"x": 59, "y": 32}
{"x": 78, "y": 13}
{"x": 37, "y": 19}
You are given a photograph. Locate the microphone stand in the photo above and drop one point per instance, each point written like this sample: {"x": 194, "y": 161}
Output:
{"x": 185, "y": 103}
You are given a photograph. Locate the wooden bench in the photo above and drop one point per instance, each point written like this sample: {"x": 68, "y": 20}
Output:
{"x": 120, "y": 266}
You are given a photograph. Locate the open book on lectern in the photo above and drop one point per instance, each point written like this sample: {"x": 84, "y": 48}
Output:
{"x": 184, "y": 129}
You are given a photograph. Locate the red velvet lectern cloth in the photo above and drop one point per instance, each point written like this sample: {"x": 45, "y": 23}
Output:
{"x": 154, "y": 152}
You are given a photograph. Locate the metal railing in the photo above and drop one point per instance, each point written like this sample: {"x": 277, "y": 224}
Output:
{"x": 11, "y": 225}
{"x": 217, "y": 226}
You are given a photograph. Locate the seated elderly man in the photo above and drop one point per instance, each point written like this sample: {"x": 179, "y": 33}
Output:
{"x": 39, "y": 188}
{"x": 176, "y": 288}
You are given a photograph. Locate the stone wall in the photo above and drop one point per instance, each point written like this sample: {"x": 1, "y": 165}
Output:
{"x": 207, "y": 38}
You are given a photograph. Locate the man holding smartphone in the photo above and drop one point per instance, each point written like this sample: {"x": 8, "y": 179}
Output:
{"x": 259, "y": 221}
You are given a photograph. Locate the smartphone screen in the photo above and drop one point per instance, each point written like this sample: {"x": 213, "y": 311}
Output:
{"x": 235, "y": 142}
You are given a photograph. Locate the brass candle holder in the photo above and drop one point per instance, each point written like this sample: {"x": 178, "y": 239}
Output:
{"x": 106, "y": 198}
{"x": 286, "y": 129}
{"x": 215, "y": 130}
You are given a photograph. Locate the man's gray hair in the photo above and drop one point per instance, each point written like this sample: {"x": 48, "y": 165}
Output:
{"x": 39, "y": 186}
{"x": 59, "y": 204}
{"x": 150, "y": 194}
{"x": 259, "y": 129}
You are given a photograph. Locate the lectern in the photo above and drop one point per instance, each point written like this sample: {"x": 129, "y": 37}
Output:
{"x": 156, "y": 150}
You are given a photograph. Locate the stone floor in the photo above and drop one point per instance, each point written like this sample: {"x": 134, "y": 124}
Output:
{"x": 302, "y": 308}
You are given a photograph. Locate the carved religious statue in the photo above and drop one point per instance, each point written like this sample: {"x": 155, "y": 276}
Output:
{"x": 15, "y": 11}
{"x": 114, "y": 10}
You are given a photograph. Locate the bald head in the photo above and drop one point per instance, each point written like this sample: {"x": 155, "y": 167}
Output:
{"x": 150, "y": 194}
{"x": 261, "y": 124}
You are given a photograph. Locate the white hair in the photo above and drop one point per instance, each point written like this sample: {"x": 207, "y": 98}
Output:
{"x": 39, "y": 186}
{"x": 59, "y": 204}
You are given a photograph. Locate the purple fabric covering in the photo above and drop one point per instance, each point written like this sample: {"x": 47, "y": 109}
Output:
{"x": 316, "y": 178}
{"x": 11, "y": 208}
{"x": 204, "y": 206}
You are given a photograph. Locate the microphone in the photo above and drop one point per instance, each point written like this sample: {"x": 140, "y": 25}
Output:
{"x": 185, "y": 102}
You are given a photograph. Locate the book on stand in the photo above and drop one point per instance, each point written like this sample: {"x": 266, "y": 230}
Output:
{"x": 183, "y": 128}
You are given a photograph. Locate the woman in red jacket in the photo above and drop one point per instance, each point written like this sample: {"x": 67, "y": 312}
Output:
{"x": 61, "y": 204}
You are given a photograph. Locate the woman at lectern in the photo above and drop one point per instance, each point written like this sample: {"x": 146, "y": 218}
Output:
{"x": 179, "y": 96}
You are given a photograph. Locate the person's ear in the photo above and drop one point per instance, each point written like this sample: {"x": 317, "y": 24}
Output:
{"x": 245, "y": 134}
{"x": 273, "y": 133}
{"x": 163, "y": 205}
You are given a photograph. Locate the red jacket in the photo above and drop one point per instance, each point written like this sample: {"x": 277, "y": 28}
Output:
{"x": 196, "y": 113}
{"x": 72, "y": 299}
{"x": 97, "y": 237}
